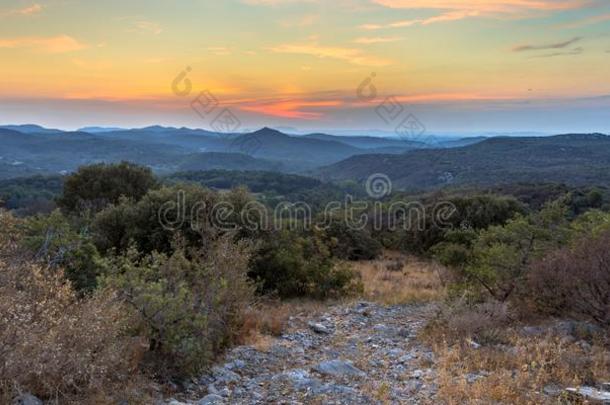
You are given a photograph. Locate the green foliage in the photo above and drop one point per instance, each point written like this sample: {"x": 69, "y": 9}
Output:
{"x": 197, "y": 214}
{"x": 474, "y": 212}
{"x": 56, "y": 242}
{"x": 294, "y": 266}
{"x": 497, "y": 259}
{"x": 190, "y": 302}
{"x": 353, "y": 244}
{"x": 30, "y": 195}
{"x": 94, "y": 187}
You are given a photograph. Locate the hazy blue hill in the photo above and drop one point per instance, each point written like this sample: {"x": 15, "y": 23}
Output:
{"x": 53, "y": 153}
{"x": 31, "y": 129}
{"x": 571, "y": 159}
{"x": 303, "y": 152}
{"x": 369, "y": 142}
{"x": 228, "y": 161}
{"x": 100, "y": 130}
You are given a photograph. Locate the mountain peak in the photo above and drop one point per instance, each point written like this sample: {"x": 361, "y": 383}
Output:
{"x": 268, "y": 131}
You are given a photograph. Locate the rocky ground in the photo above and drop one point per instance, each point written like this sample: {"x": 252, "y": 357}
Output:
{"x": 359, "y": 353}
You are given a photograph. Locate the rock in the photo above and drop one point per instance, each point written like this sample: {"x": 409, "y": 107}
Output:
{"x": 417, "y": 374}
{"x": 224, "y": 375}
{"x": 319, "y": 328}
{"x": 338, "y": 368}
{"x": 211, "y": 399}
{"x": 395, "y": 353}
{"x": 404, "y": 333}
{"x": 236, "y": 365}
{"x": 473, "y": 344}
{"x": 532, "y": 331}
{"x": 27, "y": 399}
{"x": 471, "y": 378}
{"x": 589, "y": 394}
{"x": 300, "y": 379}
{"x": 552, "y": 390}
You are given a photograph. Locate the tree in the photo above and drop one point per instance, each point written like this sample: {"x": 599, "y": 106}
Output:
{"x": 294, "y": 265}
{"x": 501, "y": 255}
{"x": 94, "y": 187}
{"x": 189, "y": 303}
{"x": 55, "y": 242}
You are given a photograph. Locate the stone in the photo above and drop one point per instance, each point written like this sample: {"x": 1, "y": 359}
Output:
{"x": 319, "y": 328}
{"x": 338, "y": 368}
{"x": 225, "y": 376}
{"x": 589, "y": 394}
{"x": 471, "y": 378}
{"x": 211, "y": 399}
{"x": 552, "y": 390}
{"x": 27, "y": 399}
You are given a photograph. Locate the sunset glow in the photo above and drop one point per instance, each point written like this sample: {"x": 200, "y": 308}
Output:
{"x": 300, "y": 62}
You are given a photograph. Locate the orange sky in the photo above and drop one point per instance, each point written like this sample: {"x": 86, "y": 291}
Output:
{"x": 300, "y": 62}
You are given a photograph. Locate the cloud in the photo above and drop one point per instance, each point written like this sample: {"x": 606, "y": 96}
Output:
{"x": 449, "y": 16}
{"x": 350, "y": 55}
{"x": 145, "y": 27}
{"x": 487, "y": 6}
{"x": 56, "y": 44}
{"x": 454, "y": 10}
{"x": 375, "y": 40}
{"x": 576, "y": 51}
{"x": 29, "y": 10}
{"x": 557, "y": 45}
{"x": 303, "y": 21}
{"x": 219, "y": 50}
{"x": 292, "y": 108}
{"x": 275, "y": 2}
{"x": 588, "y": 21}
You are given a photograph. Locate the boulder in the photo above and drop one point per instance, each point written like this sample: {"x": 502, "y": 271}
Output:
{"x": 339, "y": 368}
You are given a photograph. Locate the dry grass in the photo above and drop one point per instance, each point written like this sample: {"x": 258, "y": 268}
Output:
{"x": 269, "y": 318}
{"x": 398, "y": 279}
{"x": 518, "y": 372}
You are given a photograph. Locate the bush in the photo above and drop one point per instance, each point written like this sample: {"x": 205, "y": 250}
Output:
{"x": 501, "y": 255}
{"x": 296, "y": 266}
{"x": 353, "y": 244}
{"x": 460, "y": 320}
{"x": 94, "y": 187}
{"x": 54, "y": 242}
{"x": 192, "y": 211}
{"x": 189, "y": 303}
{"x": 53, "y": 344}
{"x": 575, "y": 281}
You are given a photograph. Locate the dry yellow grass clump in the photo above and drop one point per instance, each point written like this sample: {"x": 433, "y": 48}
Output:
{"x": 518, "y": 372}
{"x": 399, "y": 279}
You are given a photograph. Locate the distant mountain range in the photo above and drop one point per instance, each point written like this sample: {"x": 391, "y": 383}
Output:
{"x": 571, "y": 159}
{"x": 31, "y": 149}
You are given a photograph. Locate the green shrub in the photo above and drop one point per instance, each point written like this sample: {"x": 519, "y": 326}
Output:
{"x": 94, "y": 187}
{"x": 294, "y": 266}
{"x": 54, "y": 241}
{"x": 190, "y": 303}
{"x": 353, "y": 244}
{"x": 189, "y": 210}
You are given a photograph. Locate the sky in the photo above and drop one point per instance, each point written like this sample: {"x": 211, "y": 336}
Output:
{"x": 457, "y": 66}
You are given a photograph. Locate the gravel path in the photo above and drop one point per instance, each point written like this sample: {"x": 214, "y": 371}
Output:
{"x": 360, "y": 353}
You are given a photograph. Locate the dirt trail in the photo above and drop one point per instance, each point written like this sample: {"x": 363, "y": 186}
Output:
{"x": 359, "y": 353}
